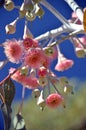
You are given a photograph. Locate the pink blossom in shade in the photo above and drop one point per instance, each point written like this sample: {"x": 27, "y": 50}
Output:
{"x": 46, "y": 62}
{"x": 77, "y": 43}
{"x": 83, "y": 40}
{"x": 17, "y": 76}
{"x": 28, "y": 42}
{"x": 74, "y": 17}
{"x": 79, "y": 46}
{"x": 63, "y": 64}
{"x": 31, "y": 82}
{"x": 13, "y": 50}
{"x": 42, "y": 71}
{"x": 12, "y": 70}
{"x": 34, "y": 57}
{"x": 54, "y": 100}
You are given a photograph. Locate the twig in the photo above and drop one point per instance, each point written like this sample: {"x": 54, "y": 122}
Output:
{"x": 56, "y": 32}
{"x": 21, "y": 105}
{"x": 76, "y": 9}
{"x": 65, "y": 38}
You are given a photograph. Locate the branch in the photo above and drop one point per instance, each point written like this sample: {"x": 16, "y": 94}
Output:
{"x": 76, "y": 9}
{"x": 65, "y": 38}
{"x": 56, "y": 32}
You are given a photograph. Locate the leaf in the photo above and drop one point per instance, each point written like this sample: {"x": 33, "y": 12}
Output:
{"x": 84, "y": 19}
{"x": 9, "y": 91}
{"x": 18, "y": 122}
{"x": 6, "y": 111}
{"x": 1, "y": 94}
{"x": 3, "y": 63}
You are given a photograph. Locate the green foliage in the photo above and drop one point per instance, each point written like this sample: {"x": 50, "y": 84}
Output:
{"x": 57, "y": 119}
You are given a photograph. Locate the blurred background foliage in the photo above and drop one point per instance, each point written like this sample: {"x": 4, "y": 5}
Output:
{"x": 73, "y": 117}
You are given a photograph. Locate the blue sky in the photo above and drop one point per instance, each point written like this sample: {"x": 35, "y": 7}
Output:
{"x": 37, "y": 27}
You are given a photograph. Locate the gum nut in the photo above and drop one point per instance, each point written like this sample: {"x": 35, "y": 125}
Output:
{"x": 41, "y": 102}
{"x": 10, "y": 29}
{"x": 80, "y": 52}
{"x": 49, "y": 51}
{"x": 63, "y": 80}
{"x": 29, "y": 6}
{"x": 64, "y": 103}
{"x": 40, "y": 13}
{"x": 22, "y": 13}
{"x": 42, "y": 81}
{"x": 36, "y": 93}
{"x": 9, "y": 5}
{"x": 68, "y": 89}
{"x": 30, "y": 16}
{"x": 24, "y": 70}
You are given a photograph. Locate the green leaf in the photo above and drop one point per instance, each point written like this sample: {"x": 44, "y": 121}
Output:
{"x": 9, "y": 91}
{"x": 6, "y": 111}
{"x": 18, "y": 122}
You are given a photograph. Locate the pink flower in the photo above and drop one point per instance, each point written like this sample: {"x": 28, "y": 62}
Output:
{"x": 31, "y": 82}
{"x": 46, "y": 62}
{"x": 28, "y": 42}
{"x": 42, "y": 71}
{"x": 28, "y": 81}
{"x": 13, "y": 50}
{"x": 17, "y": 76}
{"x": 79, "y": 44}
{"x": 54, "y": 100}
{"x": 75, "y": 18}
{"x": 63, "y": 63}
{"x": 83, "y": 40}
{"x": 34, "y": 58}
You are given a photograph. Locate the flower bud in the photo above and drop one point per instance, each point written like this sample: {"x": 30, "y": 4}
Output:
{"x": 39, "y": 11}
{"x": 68, "y": 89}
{"x": 36, "y": 93}
{"x": 63, "y": 103}
{"x": 49, "y": 51}
{"x": 11, "y": 28}
{"x": 22, "y": 11}
{"x": 30, "y": 16}
{"x": 29, "y": 6}
{"x": 42, "y": 81}
{"x": 24, "y": 70}
{"x": 41, "y": 102}
{"x": 63, "y": 81}
{"x": 9, "y": 5}
{"x": 80, "y": 52}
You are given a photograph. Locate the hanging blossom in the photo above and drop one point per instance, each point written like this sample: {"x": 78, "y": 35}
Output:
{"x": 28, "y": 81}
{"x": 79, "y": 46}
{"x": 54, "y": 100}
{"x": 74, "y": 18}
{"x": 13, "y": 50}
{"x": 28, "y": 43}
{"x": 31, "y": 82}
{"x": 63, "y": 62}
{"x": 18, "y": 76}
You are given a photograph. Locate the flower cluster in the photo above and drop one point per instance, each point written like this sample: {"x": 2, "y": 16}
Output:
{"x": 34, "y": 69}
{"x": 35, "y": 56}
